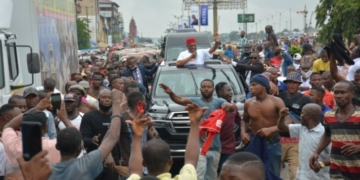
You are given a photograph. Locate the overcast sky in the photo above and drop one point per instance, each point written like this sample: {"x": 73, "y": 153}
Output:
{"x": 154, "y": 16}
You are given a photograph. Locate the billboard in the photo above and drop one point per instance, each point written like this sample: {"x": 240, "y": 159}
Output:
{"x": 204, "y": 16}
{"x": 185, "y": 22}
{"x": 194, "y": 16}
{"x": 56, "y": 21}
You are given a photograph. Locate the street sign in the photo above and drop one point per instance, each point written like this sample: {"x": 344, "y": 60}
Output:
{"x": 246, "y": 18}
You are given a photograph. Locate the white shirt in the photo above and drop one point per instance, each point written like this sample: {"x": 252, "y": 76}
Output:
{"x": 40, "y": 88}
{"x": 308, "y": 142}
{"x": 92, "y": 101}
{"x": 4, "y": 164}
{"x": 352, "y": 69}
{"x": 305, "y": 83}
{"x": 75, "y": 122}
{"x": 202, "y": 55}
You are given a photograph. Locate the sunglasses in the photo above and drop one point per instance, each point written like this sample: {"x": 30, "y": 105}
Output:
{"x": 253, "y": 57}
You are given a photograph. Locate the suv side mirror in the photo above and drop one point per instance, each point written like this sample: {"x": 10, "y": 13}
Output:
{"x": 33, "y": 63}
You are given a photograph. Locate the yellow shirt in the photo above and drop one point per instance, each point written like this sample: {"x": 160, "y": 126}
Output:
{"x": 187, "y": 172}
{"x": 320, "y": 66}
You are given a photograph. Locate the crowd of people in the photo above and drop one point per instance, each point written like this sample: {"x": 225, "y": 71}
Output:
{"x": 301, "y": 110}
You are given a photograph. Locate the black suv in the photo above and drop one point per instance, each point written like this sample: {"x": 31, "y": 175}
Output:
{"x": 170, "y": 119}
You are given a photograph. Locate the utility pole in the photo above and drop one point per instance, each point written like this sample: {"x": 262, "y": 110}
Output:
{"x": 178, "y": 20}
{"x": 199, "y": 26}
{"x": 290, "y": 22}
{"x": 215, "y": 17}
{"x": 244, "y": 5}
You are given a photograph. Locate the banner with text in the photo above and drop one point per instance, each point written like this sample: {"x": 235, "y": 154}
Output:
{"x": 204, "y": 15}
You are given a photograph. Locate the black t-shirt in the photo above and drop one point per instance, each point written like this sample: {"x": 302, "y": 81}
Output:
{"x": 296, "y": 102}
{"x": 94, "y": 123}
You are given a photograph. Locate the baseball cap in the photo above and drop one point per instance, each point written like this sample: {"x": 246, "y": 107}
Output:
{"x": 35, "y": 116}
{"x": 293, "y": 76}
{"x": 70, "y": 97}
{"x": 78, "y": 87}
{"x": 30, "y": 90}
{"x": 84, "y": 84}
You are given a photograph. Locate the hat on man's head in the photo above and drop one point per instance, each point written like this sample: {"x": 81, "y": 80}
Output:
{"x": 84, "y": 84}
{"x": 262, "y": 80}
{"x": 30, "y": 90}
{"x": 190, "y": 40}
{"x": 70, "y": 97}
{"x": 294, "y": 77}
{"x": 78, "y": 87}
{"x": 297, "y": 56}
{"x": 35, "y": 116}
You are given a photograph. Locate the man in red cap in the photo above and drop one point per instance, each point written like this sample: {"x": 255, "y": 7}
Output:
{"x": 196, "y": 56}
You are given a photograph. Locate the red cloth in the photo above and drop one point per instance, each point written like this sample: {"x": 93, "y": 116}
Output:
{"x": 276, "y": 61}
{"x": 190, "y": 40}
{"x": 212, "y": 126}
{"x": 328, "y": 98}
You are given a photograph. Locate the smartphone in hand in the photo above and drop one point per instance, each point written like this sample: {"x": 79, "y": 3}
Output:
{"x": 55, "y": 102}
{"x": 31, "y": 139}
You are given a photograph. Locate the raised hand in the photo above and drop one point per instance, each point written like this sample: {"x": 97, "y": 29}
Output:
{"x": 139, "y": 124}
{"x": 37, "y": 168}
{"x": 195, "y": 112}
{"x": 166, "y": 88}
{"x": 284, "y": 112}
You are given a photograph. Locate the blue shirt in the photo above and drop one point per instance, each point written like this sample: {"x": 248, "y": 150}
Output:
{"x": 229, "y": 54}
{"x": 213, "y": 105}
{"x": 325, "y": 109}
{"x": 269, "y": 53}
{"x": 51, "y": 133}
{"x": 87, "y": 167}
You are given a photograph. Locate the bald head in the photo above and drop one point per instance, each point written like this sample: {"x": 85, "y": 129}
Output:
{"x": 267, "y": 74}
{"x": 314, "y": 110}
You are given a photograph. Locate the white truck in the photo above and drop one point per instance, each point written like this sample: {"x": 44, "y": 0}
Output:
{"x": 38, "y": 39}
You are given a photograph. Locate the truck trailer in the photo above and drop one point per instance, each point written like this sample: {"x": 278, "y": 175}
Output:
{"x": 38, "y": 40}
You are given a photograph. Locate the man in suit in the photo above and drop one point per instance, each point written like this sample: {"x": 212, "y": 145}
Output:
{"x": 247, "y": 71}
{"x": 138, "y": 72}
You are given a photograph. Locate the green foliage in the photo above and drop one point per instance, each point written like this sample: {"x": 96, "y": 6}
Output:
{"x": 335, "y": 16}
{"x": 83, "y": 32}
{"x": 295, "y": 49}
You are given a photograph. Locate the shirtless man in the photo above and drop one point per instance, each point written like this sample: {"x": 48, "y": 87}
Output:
{"x": 263, "y": 110}
{"x": 96, "y": 87}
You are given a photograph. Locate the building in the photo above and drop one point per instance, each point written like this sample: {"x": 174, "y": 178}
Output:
{"x": 90, "y": 10}
{"x": 113, "y": 21}
{"x": 132, "y": 29}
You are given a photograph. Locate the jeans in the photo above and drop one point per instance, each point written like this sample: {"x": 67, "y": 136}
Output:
{"x": 207, "y": 166}
{"x": 274, "y": 152}
{"x": 223, "y": 158}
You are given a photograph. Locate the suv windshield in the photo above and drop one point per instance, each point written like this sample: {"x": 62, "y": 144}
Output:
{"x": 172, "y": 53}
{"x": 187, "y": 82}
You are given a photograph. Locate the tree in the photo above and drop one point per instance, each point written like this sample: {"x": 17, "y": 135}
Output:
{"x": 83, "y": 33}
{"x": 296, "y": 30}
{"x": 234, "y": 36}
{"x": 340, "y": 16}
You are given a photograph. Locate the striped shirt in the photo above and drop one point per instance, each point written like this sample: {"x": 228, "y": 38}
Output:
{"x": 343, "y": 167}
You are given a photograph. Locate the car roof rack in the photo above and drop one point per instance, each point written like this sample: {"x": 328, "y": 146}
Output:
{"x": 207, "y": 62}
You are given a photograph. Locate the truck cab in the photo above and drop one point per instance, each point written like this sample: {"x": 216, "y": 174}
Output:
{"x": 13, "y": 66}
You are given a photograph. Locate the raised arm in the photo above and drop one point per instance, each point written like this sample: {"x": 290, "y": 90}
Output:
{"x": 193, "y": 145}
{"x": 216, "y": 44}
{"x": 282, "y": 125}
{"x": 333, "y": 69}
{"x": 113, "y": 134}
{"x": 177, "y": 99}
{"x": 137, "y": 129}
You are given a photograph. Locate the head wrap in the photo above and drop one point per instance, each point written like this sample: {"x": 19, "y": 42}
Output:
{"x": 262, "y": 80}
{"x": 190, "y": 40}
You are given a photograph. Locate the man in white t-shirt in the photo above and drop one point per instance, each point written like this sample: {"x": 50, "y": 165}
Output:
{"x": 196, "y": 56}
